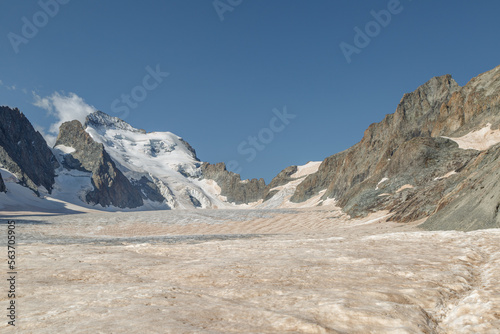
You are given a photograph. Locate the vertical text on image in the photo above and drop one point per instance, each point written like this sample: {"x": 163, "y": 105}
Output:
{"x": 11, "y": 272}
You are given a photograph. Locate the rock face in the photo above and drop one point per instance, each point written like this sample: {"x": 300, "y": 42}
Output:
{"x": 282, "y": 178}
{"x": 475, "y": 200}
{"x": 419, "y": 164}
{"x": 111, "y": 187}
{"x": 232, "y": 187}
{"x": 406, "y": 149}
{"x": 2, "y": 185}
{"x": 24, "y": 152}
{"x": 148, "y": 189}
{"x": 347, "y": 169}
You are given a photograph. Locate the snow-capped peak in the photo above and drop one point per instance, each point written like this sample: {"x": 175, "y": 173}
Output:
{"x": 162, "y": 157}
{"x": 99, "y": 120}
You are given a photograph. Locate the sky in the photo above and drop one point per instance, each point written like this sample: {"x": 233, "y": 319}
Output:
{"x": 260, "y": 85}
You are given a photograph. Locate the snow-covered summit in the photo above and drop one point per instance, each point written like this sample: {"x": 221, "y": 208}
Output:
{"x": 162, "y": 158}
{"x": 99, "y": 120}
{"x": 138, "y": 150}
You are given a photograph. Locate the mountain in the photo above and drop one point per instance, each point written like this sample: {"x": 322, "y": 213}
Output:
{"x": 111, "y": 187}
{"x": 255, "y": 192}
{"x": 24, "y": 152}
{"x": 161, "y": 165}
{"x": 106, "y": 163}
{"x": 411, "y": 164}
{"x": 436, "y": 158}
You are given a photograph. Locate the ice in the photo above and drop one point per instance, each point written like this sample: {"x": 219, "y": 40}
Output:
{"x": 253, "y": 271}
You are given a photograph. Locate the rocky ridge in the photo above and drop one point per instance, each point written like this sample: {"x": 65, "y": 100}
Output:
{"x": 232, "y": 187}
{"x": 111, "y": 187}
{"x": 2, "y": 185}
{"x": 24, "y": 152}
{"x": 401, "y": 162}
{"x": 474, "y": 201}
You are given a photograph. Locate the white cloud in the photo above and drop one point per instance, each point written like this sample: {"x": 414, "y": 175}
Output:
{"x": 13, "y": 87}
{"x": 65, "y": 107}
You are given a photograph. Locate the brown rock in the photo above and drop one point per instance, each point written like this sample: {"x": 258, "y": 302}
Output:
{"x": 111, "y": 187}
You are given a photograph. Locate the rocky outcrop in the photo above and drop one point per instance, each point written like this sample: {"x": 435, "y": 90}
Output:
{"x": 111, "y": 187}
{"x": 471, "y": 107}
{"x": 474, "y": 202}
{"x": 400, "y": 163}
{"x": 232, "y": 187}
{"x": 282, "y": 178}
{"x": 148, "y": 189}
{"x": 413, "y": 182}
{"x": 2, "y": 185}
{"x": 24, "y": 152}
{"x": 413, "y": 118}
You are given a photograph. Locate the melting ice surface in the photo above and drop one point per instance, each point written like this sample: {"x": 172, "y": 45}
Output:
{"x": 259, "y": 271}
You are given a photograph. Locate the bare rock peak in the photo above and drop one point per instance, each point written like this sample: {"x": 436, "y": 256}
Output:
{"x": 111, "y": 187}
{"x": 24, "y": 151}
{"x": 418, "y": 166}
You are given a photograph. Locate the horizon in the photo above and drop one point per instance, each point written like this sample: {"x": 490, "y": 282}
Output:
{"x": 224, "y": 77}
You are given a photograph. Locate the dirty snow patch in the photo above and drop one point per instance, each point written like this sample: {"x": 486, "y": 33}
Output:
{"x": 309, "y": 168}
{"x": 479, "y": 140}
{"x": 406, "y": 186}
{"x": 381, "y": 181}
{"x": 445, "y": 176}
{"x": 65, "y": 149}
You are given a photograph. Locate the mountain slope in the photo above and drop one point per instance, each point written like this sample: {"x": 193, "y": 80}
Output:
{"x": 111, "y": 187}
{"x": 408, "y": 162}
{"x": 24, "y": 152}
{"x": 371, "y": 155}
{"x": 232, "y": 187}
{"x": 161, "y": 164}
{"x": 475, "y": 201}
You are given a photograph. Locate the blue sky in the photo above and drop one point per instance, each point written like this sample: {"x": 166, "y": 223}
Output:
{"x": 225, "y": 77}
